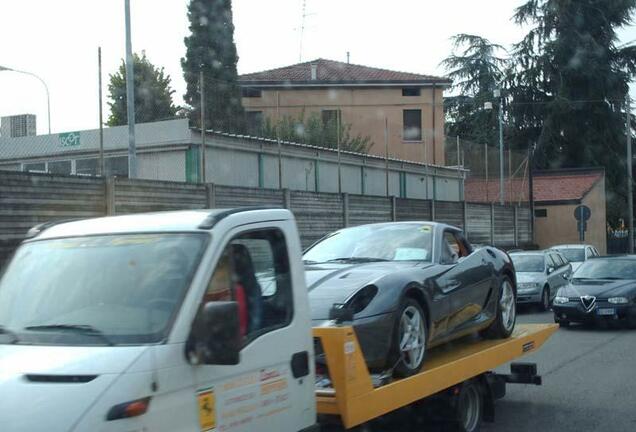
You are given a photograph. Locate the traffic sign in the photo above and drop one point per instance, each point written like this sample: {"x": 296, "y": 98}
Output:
{"x": 582, "y": 212}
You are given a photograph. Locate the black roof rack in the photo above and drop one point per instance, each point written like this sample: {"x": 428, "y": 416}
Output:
{"x": 215, "y": 218}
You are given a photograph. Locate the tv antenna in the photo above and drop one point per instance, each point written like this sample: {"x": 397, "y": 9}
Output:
{"x": 302, "y": 31}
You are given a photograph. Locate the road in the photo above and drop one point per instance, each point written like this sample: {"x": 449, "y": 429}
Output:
{"x": 589, "y": 383}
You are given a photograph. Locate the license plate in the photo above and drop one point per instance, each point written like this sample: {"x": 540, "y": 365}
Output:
{"x": 605, "y": 311}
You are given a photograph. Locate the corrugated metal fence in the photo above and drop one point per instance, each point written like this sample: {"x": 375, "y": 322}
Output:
{"x": 27, "y": 199}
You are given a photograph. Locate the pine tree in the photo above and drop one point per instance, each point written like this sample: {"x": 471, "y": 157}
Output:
{"x": 568, "y": 86}
{"x": 153, "y": 95}
{"x": 210, "y": 48}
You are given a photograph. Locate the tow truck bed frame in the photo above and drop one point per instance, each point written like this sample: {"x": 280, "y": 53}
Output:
{"x": 355, "y": 400}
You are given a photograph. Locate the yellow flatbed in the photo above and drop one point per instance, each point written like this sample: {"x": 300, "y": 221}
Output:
{"x": 355, "y": 400}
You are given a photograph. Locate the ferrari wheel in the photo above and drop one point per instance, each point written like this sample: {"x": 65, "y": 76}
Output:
{"x": 506, "y": 314}
{"x": 409, "y": 343}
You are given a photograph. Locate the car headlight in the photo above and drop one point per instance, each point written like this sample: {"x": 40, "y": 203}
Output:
{"x": 617, "y": 300}
{"x": 561, "y": 300}
{"x": 529, "y": 285}
{"x": 362, "y": 298}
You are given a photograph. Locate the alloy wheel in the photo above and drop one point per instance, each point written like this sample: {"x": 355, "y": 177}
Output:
{"x": 507, "y": 306}
{"x": 412, "y": 337}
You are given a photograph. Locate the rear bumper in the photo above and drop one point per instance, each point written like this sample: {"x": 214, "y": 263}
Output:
{"x": 574, "y": 312}
{"x": 529, "y": 297}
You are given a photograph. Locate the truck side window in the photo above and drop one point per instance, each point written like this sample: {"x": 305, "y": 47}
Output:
{"x": 254, "y": 272}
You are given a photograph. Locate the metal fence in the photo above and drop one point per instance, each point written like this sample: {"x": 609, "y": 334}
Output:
{"x": 27, "y": 199}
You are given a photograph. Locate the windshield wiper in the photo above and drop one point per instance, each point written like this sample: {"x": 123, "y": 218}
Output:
{"x": 14, "y": 336}
{"x": 310, "y": 262}
{"x": 84, "y": 329}
{"x": 357, "y": 259}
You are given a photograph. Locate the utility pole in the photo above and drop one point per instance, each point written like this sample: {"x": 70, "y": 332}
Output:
{"x": 630, "y": 197}
{"x": 501, "y": 152}
{"x": 530, "y": 188}
{"x": 102, "y": 170}
{"x": 130, "y": 98}
{"x": 386, "y": 153}
{"x": 338, "y": 143}
{"x": 203, "y": 128}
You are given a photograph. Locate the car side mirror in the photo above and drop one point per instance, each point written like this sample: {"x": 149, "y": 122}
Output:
{"x": 215, "y": 337}
{"x": 340, "y": 313}
{"x": 550, "y": 270}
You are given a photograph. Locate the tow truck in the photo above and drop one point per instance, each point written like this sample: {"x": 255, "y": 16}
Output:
{"x": 189, "y": 358}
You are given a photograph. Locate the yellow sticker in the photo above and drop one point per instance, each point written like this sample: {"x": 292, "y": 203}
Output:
{"x": 207, "y": 410}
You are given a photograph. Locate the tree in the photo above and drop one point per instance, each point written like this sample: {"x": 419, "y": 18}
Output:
{"x": 568, "y": 86}
{"x": 210, "y": 48}
{"x": 475, "y": 72}
{"x": 313, "y": 131}
{"x": 153, "y": 95}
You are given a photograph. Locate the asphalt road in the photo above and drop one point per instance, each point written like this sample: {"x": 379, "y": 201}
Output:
{"x": 589, "y": 383}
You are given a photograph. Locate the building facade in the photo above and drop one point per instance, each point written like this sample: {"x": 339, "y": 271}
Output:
{"x": 18, "y": 126}
{"x": 402, "y": 113}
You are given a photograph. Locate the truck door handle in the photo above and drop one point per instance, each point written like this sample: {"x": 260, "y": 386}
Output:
{"x": 300, "y": 364}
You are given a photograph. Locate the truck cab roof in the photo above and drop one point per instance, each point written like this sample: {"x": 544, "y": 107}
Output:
{"x": 170, "y": 221}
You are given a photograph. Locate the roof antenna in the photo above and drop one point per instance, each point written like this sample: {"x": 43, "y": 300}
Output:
{"x": 347, "y": 57}
{"x": 302, "y": 31}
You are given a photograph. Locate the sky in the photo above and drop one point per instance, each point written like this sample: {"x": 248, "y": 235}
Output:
{"x": 58, "y": 41}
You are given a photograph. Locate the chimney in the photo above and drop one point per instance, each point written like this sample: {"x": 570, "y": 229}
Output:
{"x": 314, "y": 71}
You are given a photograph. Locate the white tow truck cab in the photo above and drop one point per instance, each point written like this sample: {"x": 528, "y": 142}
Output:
{"x": 198, "y": 321}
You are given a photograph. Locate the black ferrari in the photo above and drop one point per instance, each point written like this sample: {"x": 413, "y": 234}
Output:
{"x": 602, "y": 290}
{"x": 410, "y": 286}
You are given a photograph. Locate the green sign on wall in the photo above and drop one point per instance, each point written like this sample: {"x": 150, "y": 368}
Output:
{"x": 70, "y": 139}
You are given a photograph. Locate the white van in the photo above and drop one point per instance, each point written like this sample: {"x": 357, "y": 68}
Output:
{"x": 106, "y": 326}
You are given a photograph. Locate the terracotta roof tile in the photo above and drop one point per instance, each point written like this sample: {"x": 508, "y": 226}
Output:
{"x": 547, "y": 187}
{"x": 330, "y": 71}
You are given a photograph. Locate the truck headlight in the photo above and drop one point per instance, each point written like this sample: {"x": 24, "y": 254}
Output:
{"x": 617, "y": 300}
{"x": 560, "y": 300}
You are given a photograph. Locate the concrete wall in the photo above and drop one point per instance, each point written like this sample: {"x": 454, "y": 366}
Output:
{"x": 365, "y": 109}
{"x": 560, "y": 226}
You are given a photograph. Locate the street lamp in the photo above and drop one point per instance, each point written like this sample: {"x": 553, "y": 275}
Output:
{"x": 48, "y": 98}
{"x": 488, "y": 106}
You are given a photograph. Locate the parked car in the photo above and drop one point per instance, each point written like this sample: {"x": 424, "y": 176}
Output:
{"x": 410, "y": 286}
{"x": 539, "y": 275}
{"x": 576, "y": 253}
{"x": 601, "y": 289}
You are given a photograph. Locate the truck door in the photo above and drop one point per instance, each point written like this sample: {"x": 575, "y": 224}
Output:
{"x": 265, "y": 390}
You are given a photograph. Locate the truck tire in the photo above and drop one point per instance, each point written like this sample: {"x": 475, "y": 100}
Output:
{"x": 469, "y": 408}
{"x": 410, "y": 332}
{"x": 506, "y": 314}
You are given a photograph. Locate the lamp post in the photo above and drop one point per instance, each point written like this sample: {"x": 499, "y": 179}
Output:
{"x": 488, "y": 106}
{"x": 48, "y": 99}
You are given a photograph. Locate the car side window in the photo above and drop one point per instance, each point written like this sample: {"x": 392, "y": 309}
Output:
{"x": 549, "y": 261}
{"x": 453, "y": 247}
{"x": 558, "y": 260}
{"x": 254, "y": 272}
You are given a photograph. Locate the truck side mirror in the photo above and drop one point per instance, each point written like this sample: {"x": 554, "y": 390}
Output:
{"x": 215, "y": 337}
{"x": 340, "y": 313}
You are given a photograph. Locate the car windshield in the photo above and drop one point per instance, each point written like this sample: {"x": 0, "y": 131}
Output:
{"x": 606, "y": 269}
{"x": 573, "y": 254}
{"x": 528, "y": 263}
{"x": 398, "y": 242}
{"x": 125, "y": 288}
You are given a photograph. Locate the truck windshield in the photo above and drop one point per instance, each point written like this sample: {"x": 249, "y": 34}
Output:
{"x": 528, "y": 263}
{"x": 401, "y": 242}
{"x": 116, "y": 289}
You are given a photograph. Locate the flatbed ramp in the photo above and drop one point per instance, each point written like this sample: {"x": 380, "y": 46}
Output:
{"x": 355, "y": 400}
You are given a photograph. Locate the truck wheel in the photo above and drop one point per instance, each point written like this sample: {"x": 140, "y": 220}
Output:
{"x": 506, "y": 313}
{"x": 409, "y": 340}
{"x": 470, "y": 405}
{"x": 545, "y": 299}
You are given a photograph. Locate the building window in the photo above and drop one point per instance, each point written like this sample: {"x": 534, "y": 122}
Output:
{"x": 248, "y": 92}
{"x": 34, "y": 167}
{"x": 541, "y": 213}
{"x": 86, "y": 167}
{"x": 116, "y": 166}
{"x": 254, "y": 121}
{"x": 410, "y": 91}
{"x": 60, "y": 167}
{"x": 412, "y": 120}
{"x": 330, "y": 117}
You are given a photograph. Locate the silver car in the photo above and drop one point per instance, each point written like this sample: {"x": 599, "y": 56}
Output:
{"x": 539, "y": 275}
{"x": 576, "y": 253}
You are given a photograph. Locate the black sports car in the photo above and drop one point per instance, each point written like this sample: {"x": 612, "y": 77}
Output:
{"x": 410, "y": 286}
{"x": 601, "y": 290}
